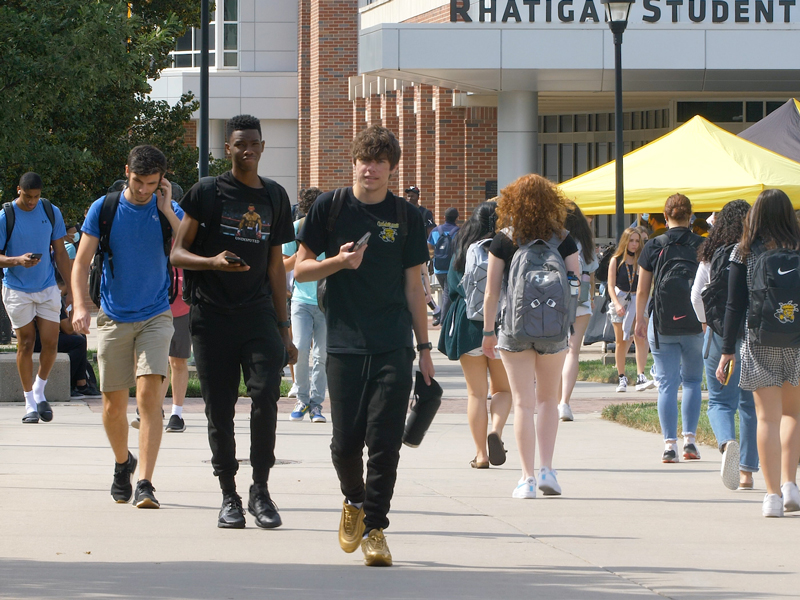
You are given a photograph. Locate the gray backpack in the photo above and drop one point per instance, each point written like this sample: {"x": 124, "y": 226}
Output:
{"x": 539, "y": 304}
{"x": 474, "y": 279}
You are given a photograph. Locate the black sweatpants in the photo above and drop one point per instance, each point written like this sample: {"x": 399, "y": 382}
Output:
{"x": 223, "y": 344}
{"x": 369, "y": 400}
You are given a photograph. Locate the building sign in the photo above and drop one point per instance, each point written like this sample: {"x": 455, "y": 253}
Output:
{"x": 653, "y": 11}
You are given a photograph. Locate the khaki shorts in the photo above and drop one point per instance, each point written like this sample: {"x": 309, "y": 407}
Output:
{"x": 126, "y": 351}
{"x": 24, "y": 307}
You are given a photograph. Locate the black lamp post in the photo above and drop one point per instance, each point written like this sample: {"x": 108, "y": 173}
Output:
{"x": 202, "y": 126}
{"x": 617, "y": 12}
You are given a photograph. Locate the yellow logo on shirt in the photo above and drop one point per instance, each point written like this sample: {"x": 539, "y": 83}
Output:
{"x": 388, "y": 231}
{"x": 785, "y": 312}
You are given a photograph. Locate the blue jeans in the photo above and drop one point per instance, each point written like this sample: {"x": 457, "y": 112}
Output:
{"x": 723, "y": 402}
{"x": 678, "y": 360}
{"x": 309, "y": 329}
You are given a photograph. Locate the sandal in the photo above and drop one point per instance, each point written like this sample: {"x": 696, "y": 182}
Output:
{"x": 497, "y": 451}
{"x": 478, "y": 465}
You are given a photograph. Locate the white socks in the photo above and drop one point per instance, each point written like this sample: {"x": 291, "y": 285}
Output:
{"x": 30, "y": 403}
{"x": 38, "y": 389}
{"x": 177, "y": 410}
{"x": 356, "y": 504}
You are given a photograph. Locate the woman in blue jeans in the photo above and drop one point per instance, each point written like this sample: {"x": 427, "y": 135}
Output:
{"x": 678, "y": 358}
{"x": 738, "y": 463}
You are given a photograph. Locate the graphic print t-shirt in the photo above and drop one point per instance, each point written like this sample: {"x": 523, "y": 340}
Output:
{"x": 254, "y": 220}
{"x": 367, "y": 310}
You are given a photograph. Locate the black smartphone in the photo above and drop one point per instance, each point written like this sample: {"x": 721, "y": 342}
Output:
{"x": 37, "y": 256}
{"x": 364, "y": 239}
{"x": 236, "y": 260}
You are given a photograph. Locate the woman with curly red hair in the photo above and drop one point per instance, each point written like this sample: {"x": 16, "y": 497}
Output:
{"x": 531, "y": 209}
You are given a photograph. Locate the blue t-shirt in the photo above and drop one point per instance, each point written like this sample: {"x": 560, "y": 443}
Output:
{"x": 33, "y": 233}
{"x": 301, "y": 292}
{"x": 443, "y": 229}
{"x": 139, "y": 289}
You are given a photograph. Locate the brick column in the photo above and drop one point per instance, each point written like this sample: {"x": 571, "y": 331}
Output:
{"x": 392, "y": 123}
{"x": 359, "y": 121}
{"x": 480, "y": 155}
{"x": 449, "y": 154}
{"x": 407, "y": 134}
{"x": 426, "y": 144}
{"x": 334, "y": 59}
{"x": 304, "y": 93}
{"x": 372, "y": 114}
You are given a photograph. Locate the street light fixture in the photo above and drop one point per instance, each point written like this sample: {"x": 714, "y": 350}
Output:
{"x": 617, "y": 12}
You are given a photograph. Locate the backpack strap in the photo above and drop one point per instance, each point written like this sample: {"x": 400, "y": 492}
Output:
{"x": 11, "y": 219}
{"x": 402, "y": 219}
{"x": 48, "y": 209}
{"x": 107, "y": 213}
{"x": 210, "y": 210}
{"x": 336, "y": 208}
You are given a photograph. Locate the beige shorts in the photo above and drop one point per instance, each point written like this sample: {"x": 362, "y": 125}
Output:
{"x": 24, "y": 307}
{"x": 126, "y": 351}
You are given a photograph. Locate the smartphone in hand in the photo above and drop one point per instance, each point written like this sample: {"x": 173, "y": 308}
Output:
{"x": 728, "y": 370}
{"x": 364, "y": 239}
{"x": 37, "y": 256}
{"x": 236, "y": 260}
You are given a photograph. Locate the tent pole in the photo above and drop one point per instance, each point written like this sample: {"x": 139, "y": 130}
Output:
{"x": 618, "y": 143}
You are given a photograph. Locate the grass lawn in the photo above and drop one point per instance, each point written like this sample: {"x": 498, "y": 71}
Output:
{"x": 597, "y": 372}
{"x": 644, "y": 416}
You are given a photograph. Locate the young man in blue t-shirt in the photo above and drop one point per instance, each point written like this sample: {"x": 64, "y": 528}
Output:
{"x": 134, "y": 323}
{"x": 442, "y": 256}
{"x": 30, "y": 293}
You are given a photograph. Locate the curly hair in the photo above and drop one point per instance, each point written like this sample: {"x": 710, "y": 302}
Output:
{"x": 306, "y": 199}
{"x": 376, "y": 143}
{"x": 534, "y": 207}
{"x": 728, "y": 227}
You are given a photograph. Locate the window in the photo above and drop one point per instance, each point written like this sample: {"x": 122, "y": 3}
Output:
{"x": 716, "y": 112}
{"x": 187, "y": 49}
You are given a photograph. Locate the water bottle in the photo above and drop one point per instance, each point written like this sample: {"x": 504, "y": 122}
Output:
{"x": 574, "y": 283}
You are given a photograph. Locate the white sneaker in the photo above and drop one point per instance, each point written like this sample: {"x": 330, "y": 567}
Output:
{"x": 791, "y": 497}
{"x": 565, "y": 412}
{"x": 526, "y": 488}
{"x": 729, "y": 471}
{"x": 623, "y": 384}
{"x": 643, "y": 383}
{"x": 548, "y": 482}
{"x": 772, "y": 506}
{"x": 292, "y": 391}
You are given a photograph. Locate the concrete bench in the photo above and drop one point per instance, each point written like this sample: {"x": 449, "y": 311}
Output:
{"x": 57, "y": 389}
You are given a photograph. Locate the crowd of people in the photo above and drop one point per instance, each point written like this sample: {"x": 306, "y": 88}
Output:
{"x": 519, "y": 282}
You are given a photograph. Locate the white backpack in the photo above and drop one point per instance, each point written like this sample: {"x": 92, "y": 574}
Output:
{"x": 474, "y": 279}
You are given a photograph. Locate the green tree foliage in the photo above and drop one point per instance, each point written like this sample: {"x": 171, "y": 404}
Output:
{"x": 73, "y": 93}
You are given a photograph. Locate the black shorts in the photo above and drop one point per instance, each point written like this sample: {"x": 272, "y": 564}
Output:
{"x": 181, "y": 344}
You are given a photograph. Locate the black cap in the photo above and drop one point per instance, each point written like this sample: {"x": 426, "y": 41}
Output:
{"x": 414, "y": 189}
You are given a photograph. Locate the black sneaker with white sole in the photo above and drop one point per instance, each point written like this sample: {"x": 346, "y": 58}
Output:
{"x": 144, "y": 496}
{"x": 176, "y": 425}
{"x": 231, "y": 515}
{"x": 121, "y": 488}
{"x": 670, "y": 456}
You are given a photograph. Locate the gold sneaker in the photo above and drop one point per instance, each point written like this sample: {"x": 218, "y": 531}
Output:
{"x": 376, "y": 552}
{"x": 351, "y": 527}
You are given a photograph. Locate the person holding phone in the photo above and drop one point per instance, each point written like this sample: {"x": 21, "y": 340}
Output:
{"x": 30, "y": 293}
{"x": 770, "y": 371}
{"x": 134, "y": 324}
{"x": 238, "y": 315}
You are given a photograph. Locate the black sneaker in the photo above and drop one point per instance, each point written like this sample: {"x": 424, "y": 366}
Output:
{"x": 175, "y": 425}
{"x": 263, "y": 508}
{"x": 144, "y": 498}
{"x": 31, "y": 417}
{"x": 45, "y": 412}
{"x": 89, "y": 391}
{"x": 121, "y": 489}
{"x": 231, "y": 515}
{"x": 74, "y": 394}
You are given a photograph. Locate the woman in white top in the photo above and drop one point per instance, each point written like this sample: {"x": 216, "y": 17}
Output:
{"x": 579, "y": 229}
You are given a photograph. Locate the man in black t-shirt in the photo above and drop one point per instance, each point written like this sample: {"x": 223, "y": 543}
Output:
{"x": 238, "y": 317}
{"x": 374, "y": 299}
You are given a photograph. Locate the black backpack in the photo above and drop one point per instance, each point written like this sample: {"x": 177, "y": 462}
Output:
{"x": 773, "y": 315}
{"x": 107, "y": 213}
{"x": 675, "y": 270}
{"x": 443, "y": 251}
{"x": 11, "y": 220}
{"x": 715, "y": 294}
{"x": 604, "y": 257}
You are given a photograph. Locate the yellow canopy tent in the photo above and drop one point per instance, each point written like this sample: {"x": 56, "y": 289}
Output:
{"x": 698, "y": 159}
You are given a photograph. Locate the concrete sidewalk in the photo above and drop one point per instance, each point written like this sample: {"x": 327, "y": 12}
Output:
{"x": 626, "y": 526}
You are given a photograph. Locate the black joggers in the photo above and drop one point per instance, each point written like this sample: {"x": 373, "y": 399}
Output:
{"x": 223, "y": 343}
{"x": 369, "y": 400}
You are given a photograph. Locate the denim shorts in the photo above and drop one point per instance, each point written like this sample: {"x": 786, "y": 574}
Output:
{"x": 509, "y": 344}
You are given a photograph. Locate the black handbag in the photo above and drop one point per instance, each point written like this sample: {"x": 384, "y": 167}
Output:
{"x": 427, "y": 399}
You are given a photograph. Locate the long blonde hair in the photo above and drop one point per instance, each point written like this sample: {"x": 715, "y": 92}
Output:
{"x": 622, "y": 248}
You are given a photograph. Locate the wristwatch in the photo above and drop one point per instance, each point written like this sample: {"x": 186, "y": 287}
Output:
{"x": 425, "y": 346}
{"x": 284, "y": 324}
